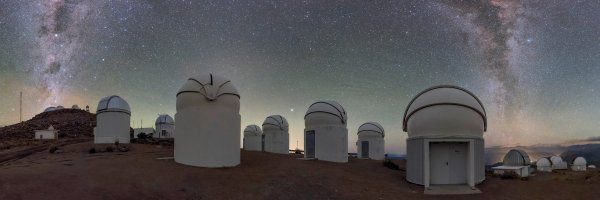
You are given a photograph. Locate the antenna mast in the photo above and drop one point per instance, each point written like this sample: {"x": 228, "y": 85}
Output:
{"x": 20, "y": 106}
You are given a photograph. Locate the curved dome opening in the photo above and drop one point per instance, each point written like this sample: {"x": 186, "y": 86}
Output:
{"x": 276, "y": 121}
{"x": 372, "y": 127}
{"x": 326, "y": 112}
{"x": 113, "y": 103}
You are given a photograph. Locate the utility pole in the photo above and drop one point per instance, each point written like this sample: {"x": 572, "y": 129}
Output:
{"x": 20, "y": 106}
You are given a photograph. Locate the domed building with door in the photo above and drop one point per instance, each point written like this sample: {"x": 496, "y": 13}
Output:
{"x": 165, "y": 126}
{"x": 113, "y": 117}
{"x": 208, "y": 123}
{"x": 370, "y": 142}
{"x": 277, "y": 136}
{"x": 326, "y": 132}
{"x": 445, "y": 146}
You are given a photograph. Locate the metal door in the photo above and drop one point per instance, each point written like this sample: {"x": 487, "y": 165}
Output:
{"x": 458, "y": 162}
{"x": 448, "y": 162}
{"x": 262, "y": 142}
{"x": 438, "y": 160}
{"x": 364, "y": 148}
{"x": 309, "y": 152}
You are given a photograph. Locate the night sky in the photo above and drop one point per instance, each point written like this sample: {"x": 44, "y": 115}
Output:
{"x": 534, "y": 64}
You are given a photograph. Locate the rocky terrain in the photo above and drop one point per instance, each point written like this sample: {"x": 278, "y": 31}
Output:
{"x": 149, "y": 172}
{"x": 71, "y": 123}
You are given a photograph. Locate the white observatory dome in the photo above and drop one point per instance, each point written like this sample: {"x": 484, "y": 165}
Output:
{"x": 113, "y": 103}
{"x": 164, "y": 119}
{"x": 276, "y": 122}
{"x": 325, "y": 113}
{"x": 202, "y": 90}
{"x": 580, "y": 161}
{"x": 556, "y": 160}
{"x": 463, "y": 113}
{"x": 252, "y": 130}
{"x": 371, "y": 129}
{"x": 75, "y": 107}
{"x": 543, "y": 162}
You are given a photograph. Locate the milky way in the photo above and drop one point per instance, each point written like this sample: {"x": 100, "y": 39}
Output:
{"x": 58, "y": 37}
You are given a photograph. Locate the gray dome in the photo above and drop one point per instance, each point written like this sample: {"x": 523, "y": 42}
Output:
{"x": 371, "y": 127}
{"x": 164, "y": 119}
{"x": 49, "y": 109}
{"x": 516, "y": 157}
{"x": 463, "y": 113}
{"x": 580, "y": 161}
{"x": 252, "y": 130}
{"x": 325, "y": 112}
{"x": 276, "y": 121}
{"x": 113, "y": 103}
{"x": 75, "y": 107}
{"x": 543, "y": 162}
{"x": 556, "y": 160}
{"x": 204, "y": 89}
{"x": 59, "y": 107}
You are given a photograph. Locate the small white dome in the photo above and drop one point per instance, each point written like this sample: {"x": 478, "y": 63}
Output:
{"x": 371, "y": 127}
{"x": 49, "y": 109}
{"x": 59, "y": 107}
{"x": 208, "y": 89}
{"x": 580, "y": 161}
{"x": 113, "y": 103}
{"x": 325, "y": 113}
{"x": 164, "y": 119}
{"x": 277, "y": 122}
{"x": 556, "y": 160}
{"x": 463, "y": 113}
{"x": 516, "y": 157}
{"x": 252, "y": 130}
{"x": 543, "y": 162}
{"x": 75, "y": 107}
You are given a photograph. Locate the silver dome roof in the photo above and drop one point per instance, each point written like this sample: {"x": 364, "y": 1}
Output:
{"x": 278, "y": 121}
{"x": 211, "y": 86}
{"x": 113, "y": 103}
{"x": 164, "y": 119}
{"x": 328, "y": 107}
{"x": 371, "y": 126}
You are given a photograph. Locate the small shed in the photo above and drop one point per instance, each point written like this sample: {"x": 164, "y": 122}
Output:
{"x": 277, "y": 136}
{"x": 371, "y": 142}
{"x": 148, "y": 131}
{"x": 47, "y": 134}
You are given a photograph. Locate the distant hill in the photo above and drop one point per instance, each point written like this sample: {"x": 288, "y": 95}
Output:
{"x": 70, "y": 123}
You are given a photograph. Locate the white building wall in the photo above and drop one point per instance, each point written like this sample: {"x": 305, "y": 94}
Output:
{"x": 168, "y": 128}
{"x": 111, "y": 127}
{"x": 208, "y": 137}
{"x": 578, "y": 168}
{"x": 376, "y": 147}
{"x": 276, "y": 140}
{"x": 46, "y": 135}
{"x": 253, "y": 142}
{"x": 331, "y": 143}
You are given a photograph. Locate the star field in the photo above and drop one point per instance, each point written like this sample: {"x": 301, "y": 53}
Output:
{"x": 534, "y": 64}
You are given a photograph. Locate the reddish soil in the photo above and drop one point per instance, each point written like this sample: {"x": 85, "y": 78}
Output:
{"x": 138, "y": 174}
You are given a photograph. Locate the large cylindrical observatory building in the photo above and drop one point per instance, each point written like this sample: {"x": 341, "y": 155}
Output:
{"x": 326, "y": 132}
{"x": 113, "y": 117}
{"x": 277, "y": 136}
{"x": 208, "y": 123}
{"x": 445, "y": 126}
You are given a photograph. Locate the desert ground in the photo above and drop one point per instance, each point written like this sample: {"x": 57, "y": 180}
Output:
{"x": 147, "y": 172}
